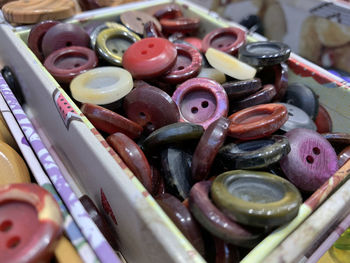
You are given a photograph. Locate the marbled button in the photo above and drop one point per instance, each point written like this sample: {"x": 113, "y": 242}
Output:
{"x": 151, "y": 30}
{"x": 64, "y": 35}
{"x": 170, "y": 11}
{"x": 66, "y": 63}
{"x": 93, "y": 33}
{"x": 343, "y": 156}
{"x": 207, "y": 148}
{"x": 257, "y": 121}
{"x": 29, "y": 215}
{"x": 323, "y": 120}
{"x": 112, "y": 43}
{"x": 297, "y": 118}
{"x": 241, "y": 89}
{"x": 103, "y": 85}
{"x": 151, "y": 108}
{"x": 201, "y": 101}
{"x": 228, "y": 39}
{"x": 212, "y": 73}
{"x": 181, "y": 24}
{"x": 311, "y": 161}
{"x": 133, "y": 156}
{"x": 13, "y": 84}
{"x": 149, "y": 57}
{"x": 253, "y": 154}
{"x": 135, "y": 21}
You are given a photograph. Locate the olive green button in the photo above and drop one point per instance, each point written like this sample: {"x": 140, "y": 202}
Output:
{"x": 256, "y": 198}
{"x": 111, "y": 44}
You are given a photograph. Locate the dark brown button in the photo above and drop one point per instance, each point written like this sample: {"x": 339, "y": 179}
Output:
{"x": 225, "y": 252}
{"x": 136, "y": 20}
{"x": 240, "y": 89}
{"x": 170, "y": 11}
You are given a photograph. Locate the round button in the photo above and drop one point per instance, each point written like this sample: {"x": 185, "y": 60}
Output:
{"x": 337, "y": 139}
{"x": 188, "y": 64}
{"x": 264, "y": 53}
{"x": 133, "y": 156}
{"x": 323, "y": 120}
{"x": 207, "y": 148}
{"x": 170, "y": 11}
{"x": 195, "y": 41}
{"x": 241, "y": 89}
{"x": 112, "y": 43}
{"x": 149, "y": 58}
{"x": 257, "y": 199}
{"x": 110, "y": 122}
{"x": 29, "y": 215}
{"x": 311, "y": 161}
{"x": 66, "y": 63}
{"x": 36, "y": 35}
{"x": 257, "y": 121}
{"x": 135, "y": 21}
{"x": 151, "y": 30}
{"x": 64, "y": 35}
{"x": 96, "y": 30}
{"x": 212, "y": 73}
{"x": 103, "y": 85}
{"x": 227, "y": 40}
{"x": 201, "y": 101}
{"x": 297, "y": 118}
{"x": 182, "y": 24}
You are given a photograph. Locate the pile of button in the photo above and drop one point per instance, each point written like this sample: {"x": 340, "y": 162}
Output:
{"x": 203, "y": 124}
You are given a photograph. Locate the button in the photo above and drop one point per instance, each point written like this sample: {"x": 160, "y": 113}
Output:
{"x": 151, "y": 108}
{"x": 66, "y": 63}
{"x": 30, "y": 223}
{"x": 133, "y": 157}
{"x": 194, "y": 41}
{"x": 241, "y": 89}
{"x": 257, "y": 199}
{"x": 100, "y": 27}
{"x": 262, "y": 96}
{"x": 212, "y": 73}
{"x": 214, "y": 221}
{"x": 13, "y": 84}
{"x": 188, "y": 64}
{"x": 175, "y": 134}
{"x": 297, "y": 118}
{"x": 257, "y": 121}
{"x": 337, "y": 139}
{"x": 229, "y": 65}
{"x": 158, "y": 182}
{"x": 228, "y": 39}
{"x": 343, "y": 156}
{"x": 34, "y": 11}
{"x": 110, "y": 122}
{"x": 135, "y": 21}
{"x": 151, "y": 30}
{"x": 264, "y": 53}
{"x": 149, "y": 58}
{"x": 103, "y": 85}
{"x": 176, "y": 171}
{"x": 300, "y": 95}
{"x": 225, "y": 252}
{"x": 170, "y": 11}
{"x": 181, "y": 24}
{"x": 64, "y": 35}
{"x": 183, "y": 219}
{"x": 13, "y": 168}
{"x": 312, "y": 159}
{"x": 36, "y": 35}
{"x": 112, "y": 43}
{"x": 254, "y": 154}
{"x": 323, "y": 120}
{"x": 201, "y": 101}
{"x": 207, "y": 148}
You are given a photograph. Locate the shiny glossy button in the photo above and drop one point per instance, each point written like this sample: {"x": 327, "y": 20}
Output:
{"x": 64, "y": 35}
{"x": 257, "y": 121}
{"x": 170, "y": 11}
{"x": 201, "y": 101}
{"x": 109, "y": 121}
{"x": 297, "y": 118}
{"x": 103, "y": 85}
{"x": 228, "y": 39}
{"x": 135, "y": 21}
{"x": 30, "y": 223}
{"x": 66, "y": 63}
{"x": 229, "y": 65}
{"x": 149, "y": 58}
{"x": 151, "y": 108}
{"x": 13, "y": 168}
{"x": 133, "y": 156}
{"x": 96, "y": 30}
{"x": 112, "y": 43}
{"x": 151, "y": 30}
{"x": 323, "y": 120}
{"x": 181, "y": 24}
{"x": 212, "y": 73}
{"x": 256, "y": 198}
{"x": 312, "y": 159}
{"x": 241, "y": 89}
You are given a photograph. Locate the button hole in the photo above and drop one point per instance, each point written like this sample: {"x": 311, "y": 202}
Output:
{"x": 114, "y": 50}
{"x": 151, "y": 45}
{"x": 77, "y": 65}
{"x": 309, "y": 159}
{"x": 150, "y": 126}
{"x": 144, "y": 52}
{"x": 13, "y": 242}
{"x": 290, "y": 114}
{"x": 138, "y": 18}
{"x": 220, "y": 45}
{"x": 180, "y": 68}
{"x": 5, "y": 226}
{"x": 68, "y": 44}
{"x": 142, "y": 115}
{"x": 194, "y": 110}
{"x": 205, "y": 104}
{"x": 316, "y": 150}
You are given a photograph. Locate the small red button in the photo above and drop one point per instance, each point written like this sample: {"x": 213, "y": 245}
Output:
{"x": 323, "y": 121}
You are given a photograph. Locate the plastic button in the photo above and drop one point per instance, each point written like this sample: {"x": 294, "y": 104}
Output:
{"x": 323, "y": 120}
{"x": 170, "y": 11}
{"x": 135, "y": 21}
{"x": 181, "y": 24}
{"x": 96, "y": 30}
{"x": 212, "y": 73}
{"x": 297, "y": 118}
{"x": 241, "y": 89}
{"x": 151, "y": 30}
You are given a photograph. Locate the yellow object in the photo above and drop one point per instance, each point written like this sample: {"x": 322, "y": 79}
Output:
{"x": 5, "y": 134}
{"x": 65, "y": 252}
{"x": 334, "y": 255}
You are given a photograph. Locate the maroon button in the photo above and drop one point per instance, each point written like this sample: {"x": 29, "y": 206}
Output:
{"x": 343, "y": 156}
{"x": 135, "y": 21}
{"x": 150, "y": 30}
{"x": 323, "y": 121}
{"x": 181, "y": 24}
{"x": 170, "y": 11}
{"x": 158, "y": 185}
{"x": 109, "y": 121}
{"x": 201, "y": 101}
{"x": 151, "y": 107}
{"x": 64, "y": 35}
{"x": 194, "y": 41}
{"x": 311, "y": 161}
{"x": 133, "y": 156}
{"x": 207, "y": 148}
{"x": 228, "y": 39}
{"x": 66, "y": 63}
{"x": 36, "y": 35}
{"x": 225, "y": 252}
{"x": 240, "y": 89}
{"x": 188, "y": 64}
{"x": 149, "y": 57}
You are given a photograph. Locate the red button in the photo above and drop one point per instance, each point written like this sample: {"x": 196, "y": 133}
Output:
{"x": 149, "y": 58}
{"x": 323, "y": 121}
{"x": 181, "y": 24}
{"x": 201, "y": 101}
{"x": 194, "y": 41}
